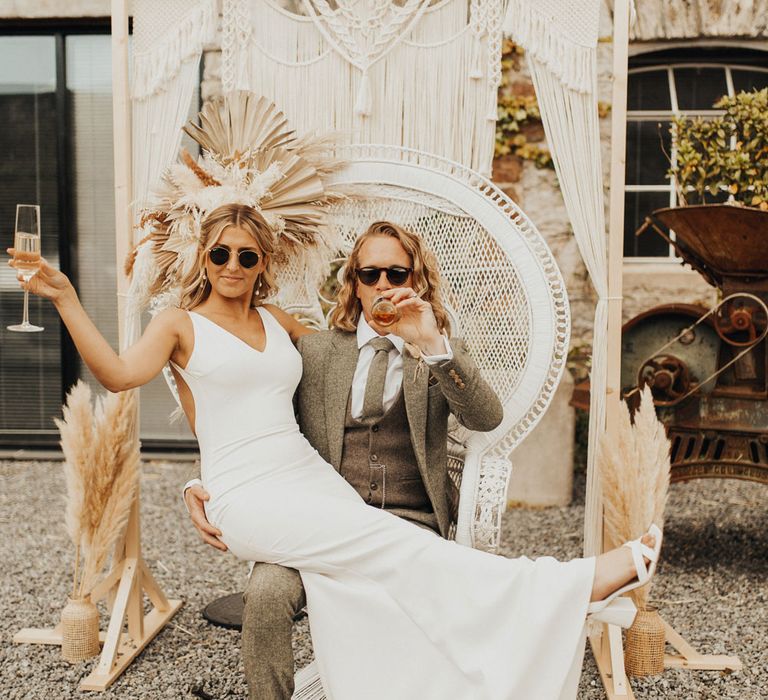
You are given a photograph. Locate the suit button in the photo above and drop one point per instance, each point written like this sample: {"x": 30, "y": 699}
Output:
{"x": 375, "y": 428}
{"x": 374, "y": 486}
{"x": 374, "y": 458}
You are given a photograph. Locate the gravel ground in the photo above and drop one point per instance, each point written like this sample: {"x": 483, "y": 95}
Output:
{"x": 711, "y": 587}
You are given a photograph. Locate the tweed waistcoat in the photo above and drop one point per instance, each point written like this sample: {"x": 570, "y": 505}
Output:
{"x": 379, "y": 462}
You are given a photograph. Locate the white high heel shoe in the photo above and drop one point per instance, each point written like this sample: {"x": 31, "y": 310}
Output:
{"x": 621, "y": 611}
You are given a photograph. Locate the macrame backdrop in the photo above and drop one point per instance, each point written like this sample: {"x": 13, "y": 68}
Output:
{"x": 422, "y": 75}
{"x": 168, "y": 40}
{"x": 427, "y": 78}
{"x": 560, "y": 41}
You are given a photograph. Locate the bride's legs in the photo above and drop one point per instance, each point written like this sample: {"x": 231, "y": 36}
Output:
{"x": 615, "y": 568}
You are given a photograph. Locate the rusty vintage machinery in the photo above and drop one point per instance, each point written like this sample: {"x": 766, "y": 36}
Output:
{"x": 708, "y": 368}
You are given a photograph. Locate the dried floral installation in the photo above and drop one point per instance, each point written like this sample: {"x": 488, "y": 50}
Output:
{"x": 249, "y": 156}
{"x": 634, "y": 469}
{"x": 102, "y": 470}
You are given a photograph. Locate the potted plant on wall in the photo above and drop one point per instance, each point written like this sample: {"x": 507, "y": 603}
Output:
{"x": 718, "y": 159}
{"x": 724, "y": 155}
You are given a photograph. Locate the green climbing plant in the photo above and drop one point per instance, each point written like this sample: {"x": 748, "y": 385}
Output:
{"x": 515, "y": 113}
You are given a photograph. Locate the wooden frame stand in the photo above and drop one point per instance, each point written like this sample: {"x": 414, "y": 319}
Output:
{"x": 609, "y": 656}
{"x": 123, "y": 587}
{"x": 608, "y": 650}
{"x": 688, "y": 657}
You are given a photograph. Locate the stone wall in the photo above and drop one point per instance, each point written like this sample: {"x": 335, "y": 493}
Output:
{"x": 698, "y": 19}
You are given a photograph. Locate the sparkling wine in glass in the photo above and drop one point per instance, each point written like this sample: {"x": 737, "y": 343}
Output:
{"x": 26, "y": 244}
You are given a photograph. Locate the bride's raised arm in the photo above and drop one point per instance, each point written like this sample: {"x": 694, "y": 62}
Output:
{"x": 138, "y": 364}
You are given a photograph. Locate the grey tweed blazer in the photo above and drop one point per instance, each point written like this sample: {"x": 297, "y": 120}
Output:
{"x": 455, "y": 386}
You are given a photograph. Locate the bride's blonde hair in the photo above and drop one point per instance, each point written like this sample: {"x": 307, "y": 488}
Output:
{"x": 195, "y": 286}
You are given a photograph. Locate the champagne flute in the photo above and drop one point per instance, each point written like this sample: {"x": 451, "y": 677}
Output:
{"x": 26, "y": 256}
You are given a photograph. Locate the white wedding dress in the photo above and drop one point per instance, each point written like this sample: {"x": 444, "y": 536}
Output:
{"x": 396, "y": 612}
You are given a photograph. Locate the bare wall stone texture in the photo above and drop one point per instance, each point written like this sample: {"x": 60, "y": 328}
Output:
{"x": 661, "y": 19}
{"x": 542, "y": 466}
{"x": 649, "y": 285}
{"x": 507, "y": 169}
{"x": 693, "y": 19}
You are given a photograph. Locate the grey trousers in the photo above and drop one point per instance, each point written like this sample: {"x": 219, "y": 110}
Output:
{"x": 273, "y": 596}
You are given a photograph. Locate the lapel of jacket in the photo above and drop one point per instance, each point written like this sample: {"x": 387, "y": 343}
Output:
{"x": 415, "y": 395}
{"x": 339, "y": 372}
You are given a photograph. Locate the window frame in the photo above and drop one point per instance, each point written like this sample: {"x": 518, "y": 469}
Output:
{"x": 60, "y": 28}
{"x": 669, "y": 64}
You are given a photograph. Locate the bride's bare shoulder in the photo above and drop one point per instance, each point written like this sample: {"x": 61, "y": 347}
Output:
{"x": 172, "y": 322}
{"x": 172, "y": 317}
{"x": 292, "y": 325}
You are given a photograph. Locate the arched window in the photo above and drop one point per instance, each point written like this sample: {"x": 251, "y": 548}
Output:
{"x": 661, "y": 85}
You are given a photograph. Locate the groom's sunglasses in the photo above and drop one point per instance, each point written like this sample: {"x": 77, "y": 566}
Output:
{"x": 247, "y": 258}
{"x": 397, "y": 276}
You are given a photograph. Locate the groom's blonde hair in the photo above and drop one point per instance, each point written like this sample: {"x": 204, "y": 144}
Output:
{"x": 425, "y": 279}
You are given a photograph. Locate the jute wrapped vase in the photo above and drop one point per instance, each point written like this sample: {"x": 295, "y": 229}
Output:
{"x": 644, "y": 647}
{"x": 79, "y": 630}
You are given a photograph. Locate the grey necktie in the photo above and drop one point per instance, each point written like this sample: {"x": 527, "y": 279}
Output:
{"x": 373, "y": 401}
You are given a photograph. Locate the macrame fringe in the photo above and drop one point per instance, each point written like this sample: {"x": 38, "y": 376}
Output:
{"x": 570, "y": 62}
{"x": 142, "y": 274}
{"x": 154, "y": 69}
{"x": 420, "y": 93}
{"x": 476, "y": 59}
{"x": 493, "y": 109}
{"x": 363, "y": 101}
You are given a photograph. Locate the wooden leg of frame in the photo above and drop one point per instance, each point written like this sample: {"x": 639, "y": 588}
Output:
{"x": 609, "y": 655}
{"x": 123, "y": 587}
{"x": 688, "y": 657}
{"x": 120, "y": 648}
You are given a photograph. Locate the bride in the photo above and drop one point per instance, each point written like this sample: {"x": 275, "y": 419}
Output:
{"x": 395, "y": 612}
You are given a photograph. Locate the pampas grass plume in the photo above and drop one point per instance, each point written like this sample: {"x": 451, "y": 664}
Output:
{"x": 76, "y": 431}
{"x": 101, "y": 471}
{"x": 634, "y": 469}
{"x": 116, "y": 472}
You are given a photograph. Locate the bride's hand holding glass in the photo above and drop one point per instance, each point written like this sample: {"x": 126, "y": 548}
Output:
{"x": 48, "y": 282}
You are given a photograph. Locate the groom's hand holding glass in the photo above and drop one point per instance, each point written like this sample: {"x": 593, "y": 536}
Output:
{"x": 415, "y": 320}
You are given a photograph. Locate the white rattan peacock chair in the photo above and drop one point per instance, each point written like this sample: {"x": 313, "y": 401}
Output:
{"x": 505, "y": 295}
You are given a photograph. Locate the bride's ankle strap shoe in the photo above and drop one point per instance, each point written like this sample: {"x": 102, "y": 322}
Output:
{"x": 618, "y": 612}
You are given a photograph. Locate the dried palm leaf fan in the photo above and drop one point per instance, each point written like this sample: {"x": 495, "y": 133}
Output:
{"x": 101, "y": 470}
{"x": 634, "y": 469}
{"x": 249, "y": 156}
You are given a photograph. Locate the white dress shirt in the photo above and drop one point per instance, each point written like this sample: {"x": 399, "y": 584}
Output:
{"x": 393, "y": 381}
{"x": 394, "y": 378}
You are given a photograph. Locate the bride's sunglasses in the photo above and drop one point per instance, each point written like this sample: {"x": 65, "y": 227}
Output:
{"x": 397, "y": 276}
{"x": 220, "y": 256}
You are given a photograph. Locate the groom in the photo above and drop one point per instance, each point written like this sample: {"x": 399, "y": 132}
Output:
{"x": 377, "y": 410}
